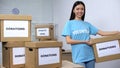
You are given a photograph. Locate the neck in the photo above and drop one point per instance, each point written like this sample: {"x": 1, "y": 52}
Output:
{"x": 78, "y": 19}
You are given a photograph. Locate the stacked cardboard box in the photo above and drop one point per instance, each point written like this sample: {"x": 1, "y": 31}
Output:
{"x": 44, "y": 32}
{"x": 66, "y": 55}
{"x": 15, "y": 30}
{"x": 14, "y": 54}
{"x": 43, "y": 54}
{"x": 20, "y": 52}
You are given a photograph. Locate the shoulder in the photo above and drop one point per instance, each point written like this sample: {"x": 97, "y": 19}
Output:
{"x": 88, "y": 23}
{"x": 69, "y": 22}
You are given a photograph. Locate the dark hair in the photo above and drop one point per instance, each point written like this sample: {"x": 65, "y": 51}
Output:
{"x": 73, "y": 14}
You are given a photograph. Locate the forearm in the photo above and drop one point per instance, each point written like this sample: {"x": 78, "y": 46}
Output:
{"x": 76, "y": 41}
{"x": 107, "y": 33}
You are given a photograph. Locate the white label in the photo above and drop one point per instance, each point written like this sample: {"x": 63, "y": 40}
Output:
{"x": 15, "y": 28}
{"x": 19, "y": 55}
{"x": 48, "y": 55}
{"x": 108, "y": 48}
{"x": 43, "y": 32}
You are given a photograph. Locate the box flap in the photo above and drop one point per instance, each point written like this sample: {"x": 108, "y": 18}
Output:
{"x": 39, "y": 44}
{"x": 105, "y": 39}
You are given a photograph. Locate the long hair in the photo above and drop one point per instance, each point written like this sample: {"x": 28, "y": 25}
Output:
{"x": 73, "y": 14}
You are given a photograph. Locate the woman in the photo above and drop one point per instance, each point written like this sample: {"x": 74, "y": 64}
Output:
{"x": 77, "y": 33}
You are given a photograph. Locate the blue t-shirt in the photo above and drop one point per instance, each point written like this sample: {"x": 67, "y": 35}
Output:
{"x": 80, "y": 30}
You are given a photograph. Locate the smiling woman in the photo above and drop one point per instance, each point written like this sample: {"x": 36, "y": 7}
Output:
{"x": 77, "y": 33}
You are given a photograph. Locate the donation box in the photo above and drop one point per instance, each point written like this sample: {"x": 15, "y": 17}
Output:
{"x": 43, "y": 54}
{"x": 107, "y": 48}
{"x": 14, "y": 54}
{"x": 44, "y": 31}
{"x": 15, "y": 28}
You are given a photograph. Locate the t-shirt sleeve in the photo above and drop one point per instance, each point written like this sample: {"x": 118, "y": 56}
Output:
{"x": 93, "y": 29}
{"x": 66, "y": 30}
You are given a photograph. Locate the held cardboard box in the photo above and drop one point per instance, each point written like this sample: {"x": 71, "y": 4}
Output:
{"x": 44, "y": 31}
{"x": 107, "y": 48}
{"x": 43, "y": 54}
{"x": 15, "y": 28}
{"x": 14, "y": 54}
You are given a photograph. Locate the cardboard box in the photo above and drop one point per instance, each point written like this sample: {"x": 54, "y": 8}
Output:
{"x": 68, "y": 64}
{"x": 44, "y": 31}
{"x": 14, "y": 54}
{"x": 43, "y": 54}
{"x": 15, "y": 28}
{"x": 66, "y": 55}
{"x": 107, "y": 48}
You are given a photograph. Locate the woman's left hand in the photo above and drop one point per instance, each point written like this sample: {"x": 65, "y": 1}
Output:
{"x": 89, "y": 42}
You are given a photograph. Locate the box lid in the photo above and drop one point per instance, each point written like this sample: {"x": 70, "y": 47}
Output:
{"x": 14, "y": 17}
{"x": 39, "y": 44}
{"x": 105, "y": 39}
{"x": 14, "y": 44}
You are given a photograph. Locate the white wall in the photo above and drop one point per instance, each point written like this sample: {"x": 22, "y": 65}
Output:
{"x": 104, "y": 14}
{"x": 41, "y": 10}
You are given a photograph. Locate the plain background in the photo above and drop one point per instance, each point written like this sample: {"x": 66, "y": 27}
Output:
{"x": 104, "y": 14}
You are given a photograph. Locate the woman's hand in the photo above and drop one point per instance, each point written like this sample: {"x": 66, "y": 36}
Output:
{"x": 89, "y": 42}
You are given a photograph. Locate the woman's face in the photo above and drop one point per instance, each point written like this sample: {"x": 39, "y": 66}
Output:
{"x": 79, "y": 11}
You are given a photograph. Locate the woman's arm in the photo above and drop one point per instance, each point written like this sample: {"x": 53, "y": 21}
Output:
{"x": 71, "y": 41}
{"x": 107, "y": 33}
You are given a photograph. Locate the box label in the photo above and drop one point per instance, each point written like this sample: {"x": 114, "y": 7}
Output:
{"x": 108, "y": 48}
{"x": 42, "y": 31}
{"x": 15, "y": 28}
{"x": 48, "y": 55}
{"x": 19, "y": 55}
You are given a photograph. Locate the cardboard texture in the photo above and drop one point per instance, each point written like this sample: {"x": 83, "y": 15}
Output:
{"x": 32, "y": 60}
{"x": 46, "y": 33}
{"x": 102, "y": 40}
{"x": 68, "y": 64}
{"x": 14, "y": 18}
{"x": 8, "y": 54}
{"x": 66, "y": 55}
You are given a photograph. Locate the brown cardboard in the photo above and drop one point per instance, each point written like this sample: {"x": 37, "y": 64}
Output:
{"x": 32, "y": 54}
{"x": 51, "y": 31}
{"x": 105, "y": 39}
{"x": 14, "y": 18}
{"x": 8, "y": 54}
{"x": 66, "y": 55}
{"x": 68, "y": 64}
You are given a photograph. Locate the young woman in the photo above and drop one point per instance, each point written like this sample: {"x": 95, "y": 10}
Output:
{"x": 77, "y": 33}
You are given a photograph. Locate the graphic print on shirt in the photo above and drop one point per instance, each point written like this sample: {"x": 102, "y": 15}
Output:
{"x": 80, "y": 34}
